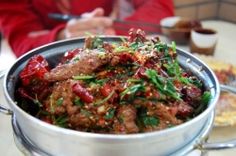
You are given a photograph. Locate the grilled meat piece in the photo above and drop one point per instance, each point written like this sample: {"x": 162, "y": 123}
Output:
{"x": 127, "y": 115}
{"x": 87, "y": 63}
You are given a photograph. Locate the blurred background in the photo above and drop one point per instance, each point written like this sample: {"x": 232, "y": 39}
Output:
{"x": 206, "y": 9}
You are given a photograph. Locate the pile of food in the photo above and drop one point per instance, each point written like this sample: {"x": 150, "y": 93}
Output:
{"x": 226, "y": 106}
{"x": 134, "y": 86}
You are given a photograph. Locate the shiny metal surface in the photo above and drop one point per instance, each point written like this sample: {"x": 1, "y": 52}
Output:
{"x": 28, "y": 149}
{"x": 228, "y": 88}
{"x": 200, "y": 139}
{"x": 23, "y": 144}
{"x": 60, "y": 141}
{"x": 5, "y": 110}
{"x": 218, "y": 145}
{"x": 2, "y": 73}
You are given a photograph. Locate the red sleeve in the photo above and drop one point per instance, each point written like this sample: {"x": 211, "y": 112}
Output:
{"x": 18, "y": 21}
{"x": 150, "y": 11}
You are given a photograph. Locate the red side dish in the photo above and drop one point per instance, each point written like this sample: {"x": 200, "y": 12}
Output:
{"x": 133, "y": 86}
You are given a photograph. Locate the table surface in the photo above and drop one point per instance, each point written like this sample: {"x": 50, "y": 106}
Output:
{"x": 225, "y": 51}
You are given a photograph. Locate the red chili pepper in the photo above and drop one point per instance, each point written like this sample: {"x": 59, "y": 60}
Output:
{"x": 140, "y": 73}
{"x": 106, "y": 90}
{"x": 84, "y": 95}
{"x": 136, "y": 35}
{"x": 35, "y": 68}
{"x": 70, "y": 54}
{"x": 24, "y": 93}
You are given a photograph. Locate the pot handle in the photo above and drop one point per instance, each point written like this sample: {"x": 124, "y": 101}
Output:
{"x": 228, "y": 88}
{"x": 2, "y": 73}
{"x": 5, "y": 110}
{"x": 219, "y": 145}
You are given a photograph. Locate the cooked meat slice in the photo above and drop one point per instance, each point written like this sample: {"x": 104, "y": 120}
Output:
{"x": 184, "y": 110}
{"x": 60, "y": 99}
{"x": 165, "y": 114}
{"x": 127, "y": 116}
{"x": 80, "y": 120}
{"x": 88, "y": 62}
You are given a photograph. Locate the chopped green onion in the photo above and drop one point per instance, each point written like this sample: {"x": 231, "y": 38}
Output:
{"x": 205, "y": 98}
{"x": 164, "y": 85}
{"x": 61, "y": 121}
{"x": 86, "y": 112}
{"x": 37, "y": 102}
{"x": 83, "y": 77}
{"x": 78, "y": 102}
{"x": 134, "y": 80}
{"x": 150, "y": 121}
{"x": 59, "y": 101}
{"x": 110, "y": 114}
{"x": 122, "y": 49}
{"x": 173, "y": 46}
{"x": 52, "y": 109}
{"x": 123, "y": 39}
{"x": 132, "y": 90}
{"x": 104, "y": 100}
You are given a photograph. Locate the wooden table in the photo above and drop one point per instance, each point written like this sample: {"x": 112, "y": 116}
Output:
{"x": 225, "y": 50}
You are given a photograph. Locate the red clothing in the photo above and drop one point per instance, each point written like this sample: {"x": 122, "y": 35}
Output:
{"x": 19, "y": 18}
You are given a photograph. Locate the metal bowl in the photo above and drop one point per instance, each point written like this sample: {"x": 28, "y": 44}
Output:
{"x": 59, "y": 141}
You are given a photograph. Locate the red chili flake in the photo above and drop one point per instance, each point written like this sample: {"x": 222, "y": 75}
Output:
{"x": 101, "y": 122}
{"x": 84, "y": 95}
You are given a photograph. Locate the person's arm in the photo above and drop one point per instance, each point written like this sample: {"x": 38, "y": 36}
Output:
{"x": 150, "y": 11}
{"x": 22, "y": 27}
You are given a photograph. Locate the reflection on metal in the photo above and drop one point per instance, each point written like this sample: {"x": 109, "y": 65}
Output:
{"x": 23, "y": 143}
{"x": 5, "y": 110}
{"x": 28, "y": 149}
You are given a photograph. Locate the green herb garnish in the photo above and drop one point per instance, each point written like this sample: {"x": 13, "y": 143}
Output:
{"x": 105, "y": 99}
{"x": 205, "y": 98}
{"x": 78, "y": 102}
{"x": 61, "y": 121}
{"x": 52, "y": 109}
{"x": 164, "y": 85}
{"x": 110, "y": 114}
{"x": 85, "y": 112}
{"x": 132, "y": 90}
{"x": 173, "y": 46}
{"x": 83, "y": 77}
{"x": 59, "y": 101}
{"x": 150, "y": 121}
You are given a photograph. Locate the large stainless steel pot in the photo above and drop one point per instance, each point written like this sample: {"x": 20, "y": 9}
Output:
{"x": 29, "y": 149}
{"x": 60, "y": 141}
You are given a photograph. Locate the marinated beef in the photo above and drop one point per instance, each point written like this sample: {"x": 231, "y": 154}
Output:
{"x": 88, "y": 61}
